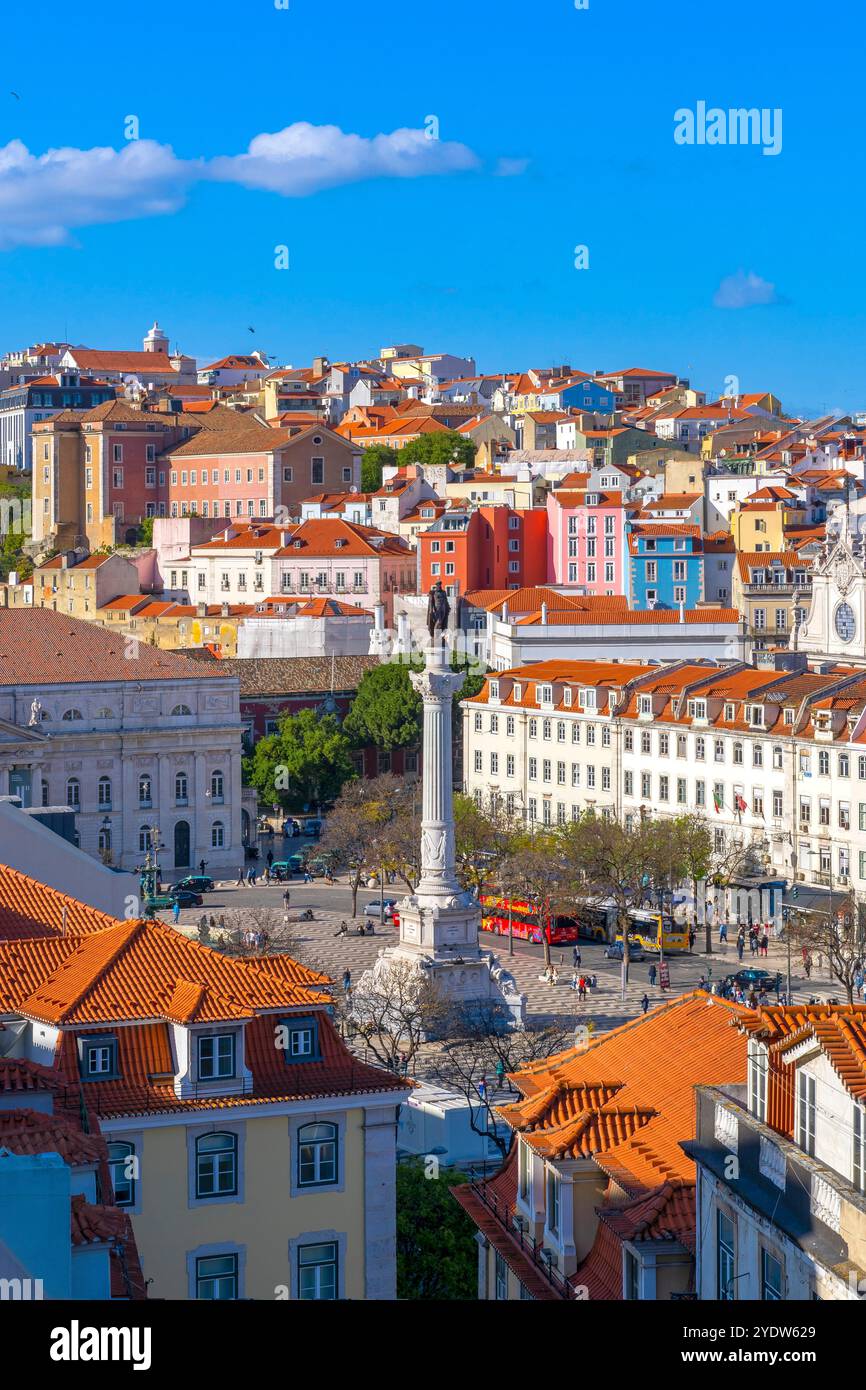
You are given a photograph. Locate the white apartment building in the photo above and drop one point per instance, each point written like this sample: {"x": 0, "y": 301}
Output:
{"x": 775, "y": 758}
{"x": 320, "y": 557}
{"x": 781, "y": 1163}
{"x": 131, "y": 737}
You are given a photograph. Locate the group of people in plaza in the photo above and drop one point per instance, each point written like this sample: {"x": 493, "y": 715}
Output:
{"x": 758, "y": 938}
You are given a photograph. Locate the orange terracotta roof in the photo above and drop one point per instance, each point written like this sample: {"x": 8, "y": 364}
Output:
{"x": 654, "y": 1062}
{"x": 26, "y": 1131}
{"x": 140, "y": 970}
{"x": 29, "y": 908}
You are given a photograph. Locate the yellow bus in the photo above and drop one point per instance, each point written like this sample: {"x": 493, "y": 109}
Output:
{"x": 647, "y": 927}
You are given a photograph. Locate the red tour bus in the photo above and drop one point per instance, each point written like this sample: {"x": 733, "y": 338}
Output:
{"x": 504, "y": 915}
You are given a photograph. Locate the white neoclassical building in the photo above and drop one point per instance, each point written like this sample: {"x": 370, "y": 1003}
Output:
{"x": 774, "y": 758}
{"x": 131, "y": 737}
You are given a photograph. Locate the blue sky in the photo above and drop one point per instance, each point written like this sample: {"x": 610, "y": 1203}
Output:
{"x": 577, "y": 106}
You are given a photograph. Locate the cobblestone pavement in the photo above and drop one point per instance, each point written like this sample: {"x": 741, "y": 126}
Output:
{"x": 319, "y": 945}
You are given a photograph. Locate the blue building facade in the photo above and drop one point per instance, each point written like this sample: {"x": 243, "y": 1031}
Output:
{"x": 665, "y": 567}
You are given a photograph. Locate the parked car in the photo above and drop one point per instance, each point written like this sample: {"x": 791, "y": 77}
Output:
{"x": 283, "y": 869}
{"x": 752, "y": 978}
{"x": 291, "y": 828}
{"x": 164, "y": 902}
{"x": 194, "y": 883}
{"x": 613, "y": 951}
{"x": 312, "y": 826}
{"x": 321, "y": 866}
{"x": 372, "y": 910}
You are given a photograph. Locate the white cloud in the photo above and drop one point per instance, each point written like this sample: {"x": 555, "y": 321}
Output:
{"x": 303, "y": 158}
{"x": 43, "y": 198}
{"x": 510, "y": 168}
{"x": 743, "y": 291}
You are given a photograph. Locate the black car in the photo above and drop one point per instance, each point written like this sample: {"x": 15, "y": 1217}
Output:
{"x": 195, "y": 883}
{"x": 751, "y": 978}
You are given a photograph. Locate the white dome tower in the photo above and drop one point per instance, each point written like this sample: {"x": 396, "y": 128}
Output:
{"x": 156, "y": 340}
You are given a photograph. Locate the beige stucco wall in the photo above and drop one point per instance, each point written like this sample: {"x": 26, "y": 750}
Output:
{"x": 167, "y": 1227}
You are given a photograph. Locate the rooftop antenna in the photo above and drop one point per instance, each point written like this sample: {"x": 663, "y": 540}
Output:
{"x": 63, "y": 923}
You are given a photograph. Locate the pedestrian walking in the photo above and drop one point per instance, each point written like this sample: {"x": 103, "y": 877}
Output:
{"x": 270, "y": 857}
{"x": 807, "y": 965}
{"x": 202, "y": 866}
{"x": 287, "y": 897}
{"x": 175, "y": 911}
{"x": 347, "y": 980}
{"x": 575, "y": 956}
{"x": 500, "y": 1074}
{"x": 692, "y": 939}
{"x": 581, "y": 989}
{"x": 574, "y": 979}
{"x": 651, "y": 973}
{"x": 723, "y": 933}
{"x": 241, "y": 883}
{"x": 644, "y": 1003}
{"x": 858, "y": 983}
{"x": 741, "y": 945}
{"x": 765, "y": 942}
{"x": 482, "y": 1088}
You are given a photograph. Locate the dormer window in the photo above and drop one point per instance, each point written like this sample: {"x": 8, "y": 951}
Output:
{"x": 592, "y": 499}
{"x": 730, "y": 711}
{"x": 216, "y": 1056}
{"x": 494, "y": 690}
{"x": 756, "y": 715}
{"x": 645, "y": 704}
{"x": 99, "y": 1058}
{"x": 518, "y": 691}
{"x": 544, "y": 694}
{"x": 566, "y": 697}
{"x": 697, "y": 709}
{"x": 298, "y": 1039}
{"x": 587, "y": 699}
{"x": 788, "y": 715}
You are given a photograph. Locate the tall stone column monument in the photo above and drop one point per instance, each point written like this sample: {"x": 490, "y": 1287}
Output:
{"x": 440, "y": 921}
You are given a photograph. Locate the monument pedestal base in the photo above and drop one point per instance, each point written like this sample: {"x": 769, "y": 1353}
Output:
{"x": 439, "y": 938}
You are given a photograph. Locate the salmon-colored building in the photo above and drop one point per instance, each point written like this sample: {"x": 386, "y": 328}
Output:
{"x": 496, "y": 547}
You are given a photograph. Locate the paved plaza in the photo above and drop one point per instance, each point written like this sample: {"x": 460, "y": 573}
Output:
{"x": 317, "y": 943}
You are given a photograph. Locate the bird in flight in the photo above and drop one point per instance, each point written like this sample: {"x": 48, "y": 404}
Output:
{"x": 15, "y": 95}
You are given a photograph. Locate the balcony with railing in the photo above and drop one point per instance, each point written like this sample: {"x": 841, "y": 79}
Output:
{"x": 534, "y": 1250}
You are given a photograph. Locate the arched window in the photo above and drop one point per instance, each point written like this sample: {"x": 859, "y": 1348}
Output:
{"x": 105, "y": 839}
{"x": 72, "y": 714}
{"x": 216, "y": 786}
{"x": 145, "y": 788}
{"x": 73, "y": 793}
{"x": 317, "y": 1155}
{"x": 105, "y": 792}
{"x": 123, "y": 1165}
{"x": 181, "y": 789}
{"x": 181, "y": 709}
{"x": 143, "y": 839}
{"x": 217, "y": 835}
{"x": 216, "y": 1165}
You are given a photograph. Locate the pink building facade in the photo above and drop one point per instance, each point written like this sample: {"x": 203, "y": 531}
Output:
{"x": 586, "y": 538}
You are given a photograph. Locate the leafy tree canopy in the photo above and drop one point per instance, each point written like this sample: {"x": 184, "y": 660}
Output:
{"x": 386, "y": 711}
{"x": 437, "y": 449}
{"x": 304, "y": 763}
{"x": 437, "y": 1257}
{"x": 373, "y": 460}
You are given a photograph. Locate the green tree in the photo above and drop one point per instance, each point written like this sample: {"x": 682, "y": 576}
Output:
{"x": 373, "y": 460}
{"x": 306, "y": 762}
{"x": 145, "y": 532}
{"x": 696, "y": 844}
{"x": 437, "y": 449}
{"x": 386, "y": 710}
{"x": 437, "y": 1257}
{"x": 13, "y": 558}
